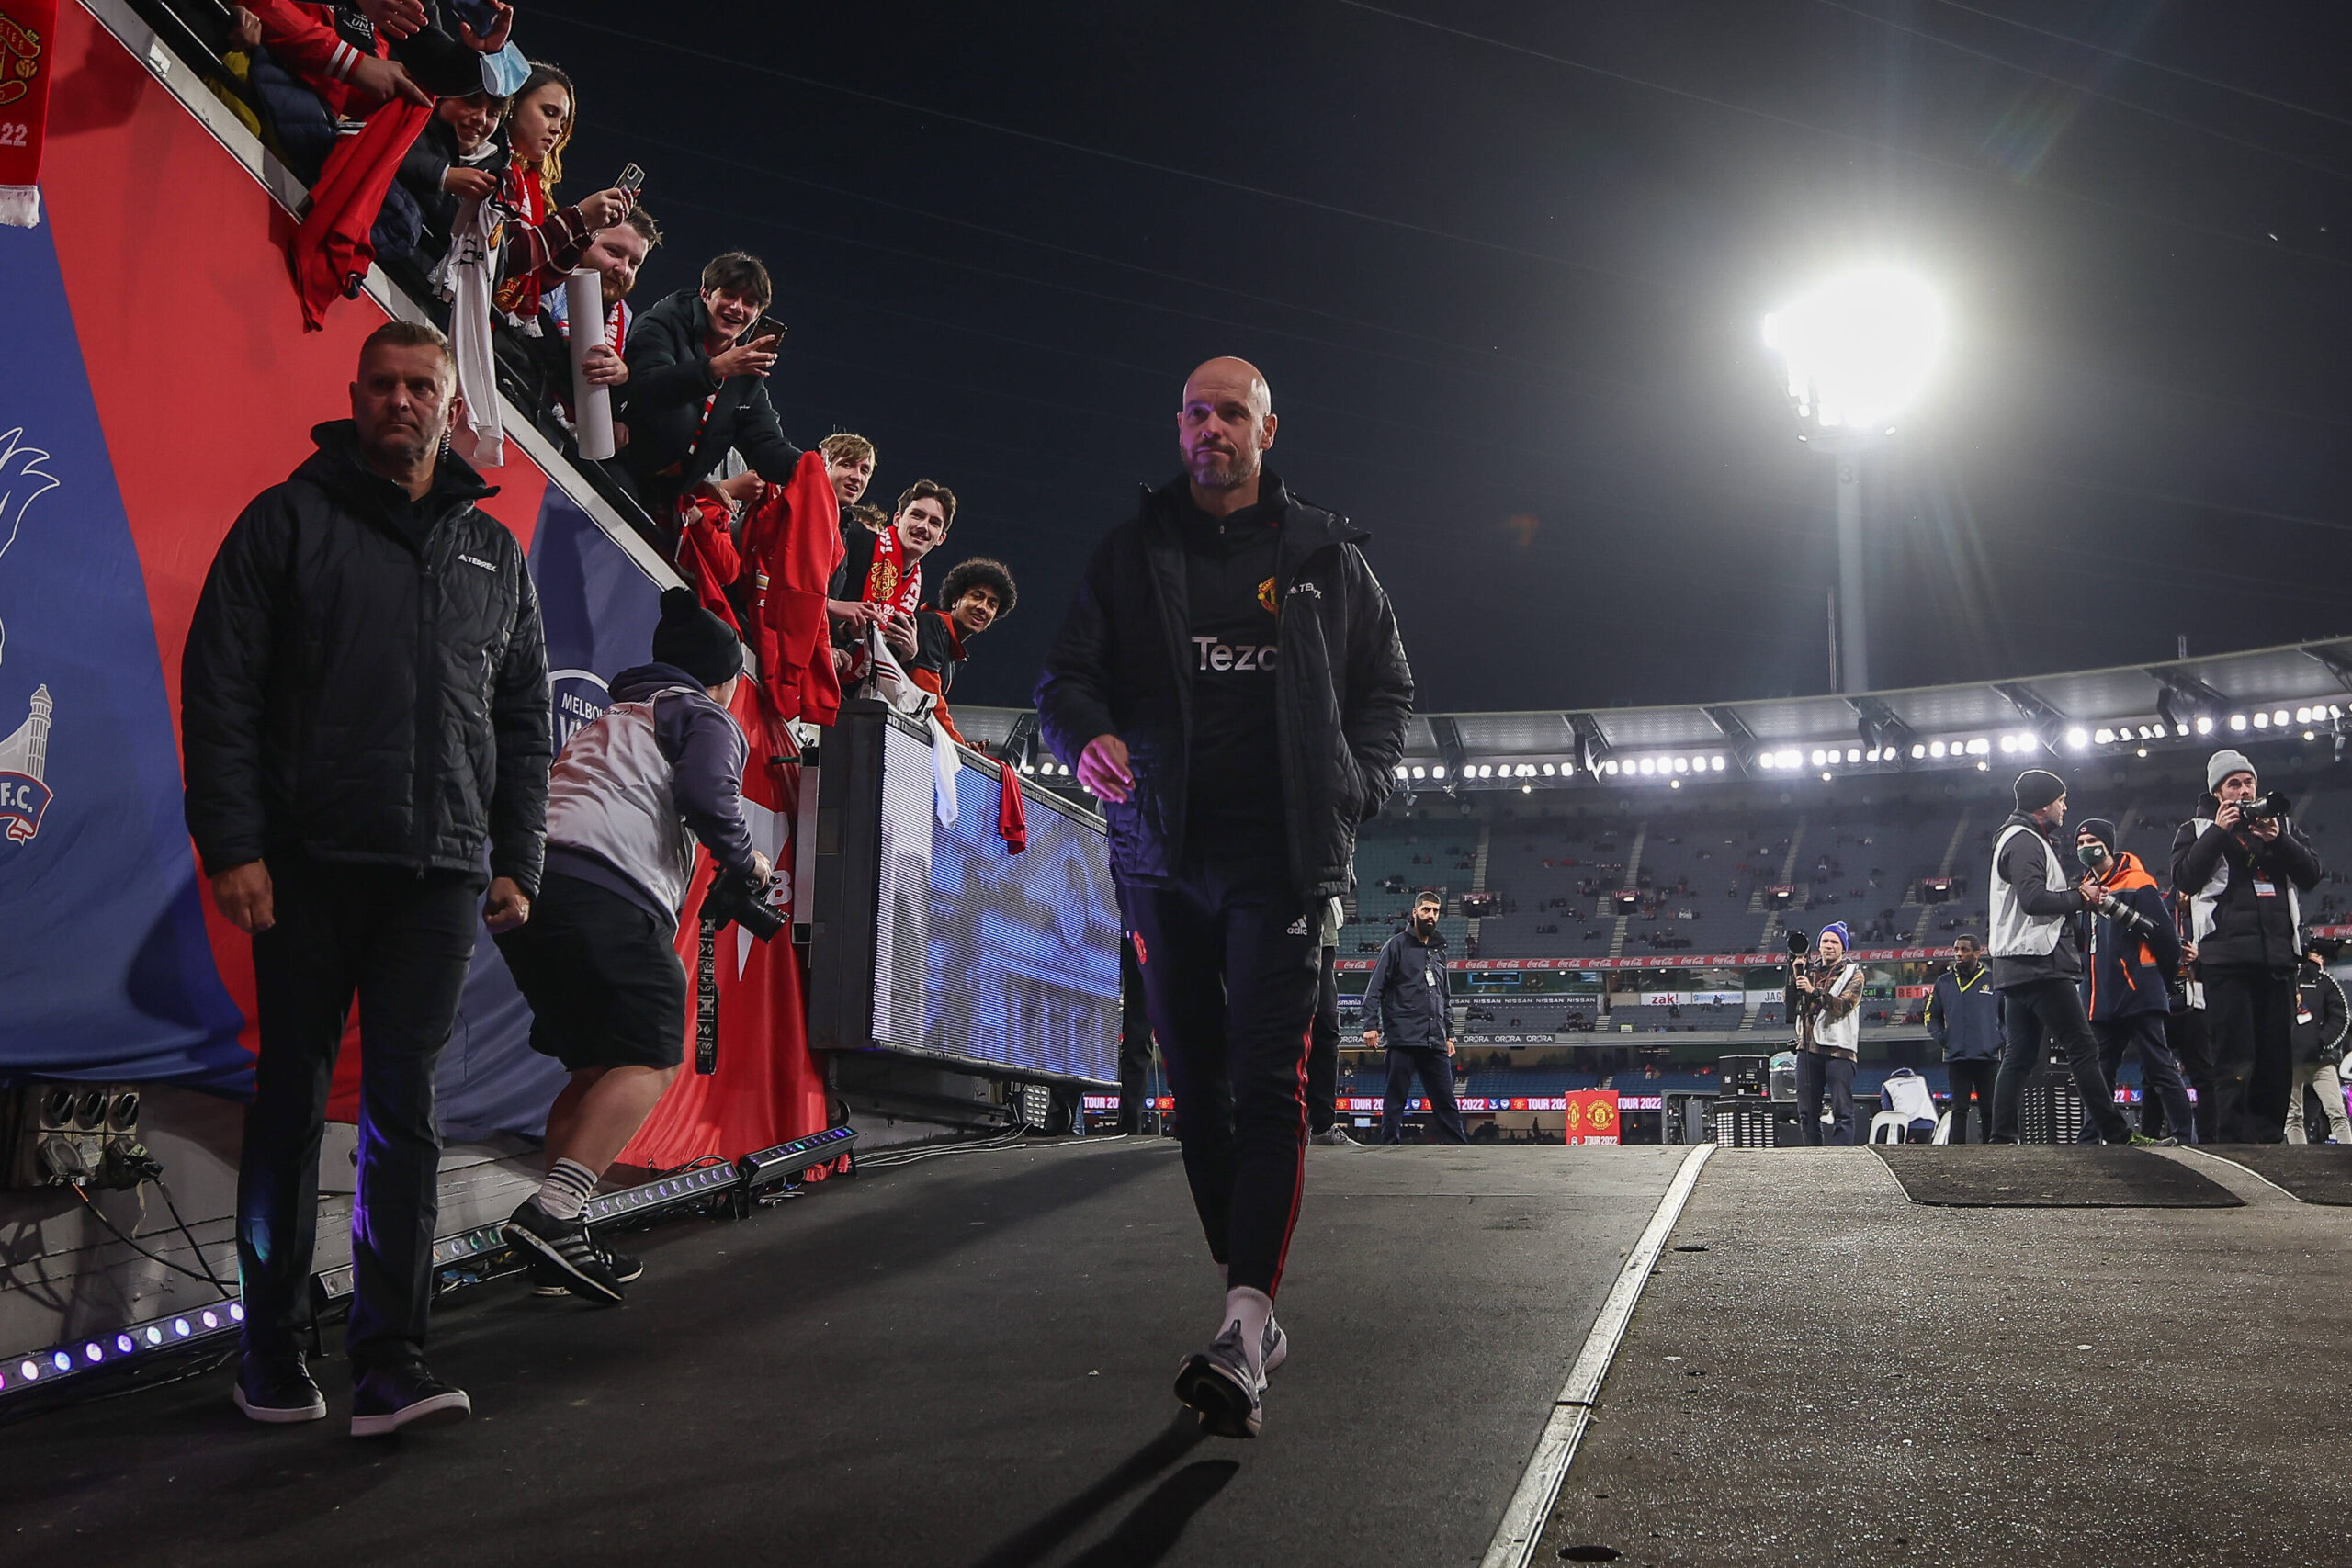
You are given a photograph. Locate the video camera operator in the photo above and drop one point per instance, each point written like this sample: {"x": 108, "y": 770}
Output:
{"x": 2037, "y": 965}
{"x": 2135, "y": 954}
{"x": 598, "y": 962}
{"x": 1824, "y": 1002}
{"x": 2244, "y": 867}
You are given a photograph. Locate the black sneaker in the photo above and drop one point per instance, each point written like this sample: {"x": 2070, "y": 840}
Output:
{"x": 546, "y": 1280}
{"x": 628, "y": 1270}
{"x": 566, "y": 1244}
{"x": 1220, "y": 1384}
{"x": 278, "y": 1388}
{"x": 394, "y": 1399}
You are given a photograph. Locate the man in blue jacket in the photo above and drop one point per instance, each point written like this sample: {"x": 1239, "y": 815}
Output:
{"x": 1409, "y": 996}
{"x": 1964, "y": 1015}
{"x": 2127, "y": 980}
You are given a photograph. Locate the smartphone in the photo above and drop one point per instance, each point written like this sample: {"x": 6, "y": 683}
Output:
{"x": 632, "y": 180}
{"x": 767, "y": 326}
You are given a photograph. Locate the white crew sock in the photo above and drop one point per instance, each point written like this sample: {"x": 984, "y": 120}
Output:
{"x": 567, "y": 1189}
{"x": 1253, "y": 1310}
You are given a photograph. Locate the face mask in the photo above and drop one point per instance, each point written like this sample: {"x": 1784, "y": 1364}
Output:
{"x": 2092, "y": 855}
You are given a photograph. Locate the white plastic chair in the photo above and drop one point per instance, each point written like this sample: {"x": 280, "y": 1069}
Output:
{"x": 1943, "y": 1129}
{"x": 1892, "y": 1123}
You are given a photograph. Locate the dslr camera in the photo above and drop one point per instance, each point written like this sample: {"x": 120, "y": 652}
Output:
{"x": 740, "y": 899}
{"x": 2262, "y": 809}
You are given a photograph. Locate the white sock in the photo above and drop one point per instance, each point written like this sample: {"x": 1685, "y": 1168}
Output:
{"x": 1253, "y": 1310}
{"x": 567, "y": 1189}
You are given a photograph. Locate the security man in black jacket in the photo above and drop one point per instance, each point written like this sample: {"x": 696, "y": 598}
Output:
{"x": 1409, "y": 998}
{"x": 365, "y": 716}
{"x": 2245, "y": 875}
{"x": 1230, "y": 684}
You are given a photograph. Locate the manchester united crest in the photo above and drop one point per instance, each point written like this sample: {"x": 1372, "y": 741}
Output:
{"x": 1266, "y": 600}
{"x": 882, "y": 582}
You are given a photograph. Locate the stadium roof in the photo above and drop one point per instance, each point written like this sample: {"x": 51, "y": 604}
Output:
{"x": 2268, "y": 694}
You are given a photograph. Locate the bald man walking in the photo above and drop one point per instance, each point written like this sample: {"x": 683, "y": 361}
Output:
{"x": 1230, "y": 684}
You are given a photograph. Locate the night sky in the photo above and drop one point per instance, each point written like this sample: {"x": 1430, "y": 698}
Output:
{"x": 1504, "y": 265}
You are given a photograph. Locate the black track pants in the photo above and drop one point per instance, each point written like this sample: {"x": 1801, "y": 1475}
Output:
{"x": 2040, "y": 1013}
{"x": 1323, "y": 1051}
{"x": 2249, "y": 1027}
{"x": 402, "y": 945}
{"x": 1231, "y": 962}
{"x": 1972, "y": 1080}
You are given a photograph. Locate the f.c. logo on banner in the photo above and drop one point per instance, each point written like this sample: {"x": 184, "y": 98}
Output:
{"x": 24, "y": 758}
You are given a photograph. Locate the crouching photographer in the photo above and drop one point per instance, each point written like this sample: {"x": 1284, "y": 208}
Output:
{"x": 2244, "y": 867}
{"x": 629, "y": 796}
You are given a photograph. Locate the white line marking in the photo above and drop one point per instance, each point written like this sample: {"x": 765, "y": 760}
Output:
{"x": 1539, "y": 1488}
{"x": 2241, "y": 1169}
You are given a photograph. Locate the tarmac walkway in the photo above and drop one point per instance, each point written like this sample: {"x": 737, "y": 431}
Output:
{"x": 1844, "y": 1377}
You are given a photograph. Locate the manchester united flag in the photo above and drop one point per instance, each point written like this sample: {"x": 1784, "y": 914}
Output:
{"x": 28, "y": 60}
{"x": 1592, "y": 1117}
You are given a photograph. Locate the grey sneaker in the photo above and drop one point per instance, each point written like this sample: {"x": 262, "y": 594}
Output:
{"x": 1277, "y": 1347}
{"x": 1218, "y": 1383}
{"x": 1334, "y": 1137}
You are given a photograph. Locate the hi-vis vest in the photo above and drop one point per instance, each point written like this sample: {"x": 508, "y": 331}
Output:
{"x": 2015, "y": 933}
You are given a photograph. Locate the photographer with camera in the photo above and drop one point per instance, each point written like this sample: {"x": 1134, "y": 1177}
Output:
{"x": 2320, "y": 1015}
{"x": 629, "y": 796}
{"x": 2037, "y": 965}
{"x": 1824, "y": 999}
{"x": 2244, "y": 867}
{"x": 2134, "y": 955}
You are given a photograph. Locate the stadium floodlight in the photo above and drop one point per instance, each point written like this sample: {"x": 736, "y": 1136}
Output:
{"x": 2078, "y": 738}
{"x": 2237, "y": 721}
{"x": 1858, "y": 350}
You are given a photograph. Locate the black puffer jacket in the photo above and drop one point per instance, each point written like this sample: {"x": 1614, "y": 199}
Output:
{"x": 365, "y": 679}
{"x": 2234, "y": 924}
{"x": 1343, "y": 690}
{"x": 669, "y": 379}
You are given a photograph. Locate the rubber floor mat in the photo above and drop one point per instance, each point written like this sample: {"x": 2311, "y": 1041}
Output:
{"x": 2316, "y": 1173}
{"x": 2029, "y": 1175}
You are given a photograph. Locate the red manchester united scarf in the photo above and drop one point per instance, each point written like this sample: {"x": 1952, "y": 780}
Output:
{"x": 893, "y": 579}
{"x": 28, "y": 60}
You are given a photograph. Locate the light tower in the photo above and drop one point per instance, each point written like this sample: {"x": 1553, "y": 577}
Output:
{"x": 1858, "y": 349}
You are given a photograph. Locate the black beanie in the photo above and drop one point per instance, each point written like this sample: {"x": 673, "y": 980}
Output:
{"x": 2037, "y": 788}
{"x": 2099, "y": 827}
{"x": 692, "y": 639}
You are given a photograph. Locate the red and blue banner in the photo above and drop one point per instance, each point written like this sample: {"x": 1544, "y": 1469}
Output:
{"x": 155, "y": 379}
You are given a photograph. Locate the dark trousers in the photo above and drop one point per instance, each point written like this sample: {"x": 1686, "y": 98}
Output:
{"x": 1435, "y": 1069}
{"x": 2185, "y": 1032}
{"x": 2041, "y": 1014}
{"x": 401, "y": 944}
{"x": 2249, "y": 1025}
{"x": 2160, "y": 1078}
{"x": 1972, "y": 1080}
{"x": 1815, "y": 1072}
{"x": 1323, "y": 1050}
{"x": 1230, "y": 963}
{"x": 1135, "y": 1040}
